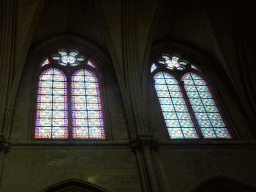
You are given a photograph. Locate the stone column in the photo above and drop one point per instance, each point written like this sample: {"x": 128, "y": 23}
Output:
{"x": 143, "y": 147}
{"x": 4, "y": 149}
{"x": 7, "y": 41}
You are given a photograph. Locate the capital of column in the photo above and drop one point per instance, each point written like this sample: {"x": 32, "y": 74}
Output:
{"x": 4, "y": 145}
{"x": 144, "y": 141}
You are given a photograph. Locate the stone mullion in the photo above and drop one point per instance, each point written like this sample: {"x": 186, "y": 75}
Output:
{"x": 6, "y": 55}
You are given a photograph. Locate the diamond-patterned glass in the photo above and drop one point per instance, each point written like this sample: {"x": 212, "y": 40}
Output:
{"x": 51, "y": 111}
{"x": 175, "y": 111}
{"x": 87, "y": 119}
{"x": 204, "y": 107}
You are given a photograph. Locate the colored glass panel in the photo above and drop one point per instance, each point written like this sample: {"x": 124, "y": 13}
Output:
{"x": 46, "y": 61}
{"x": 204, "y": 107}
{"x": 91, "y": 64}
{"x": 72, "y": 58}
{"x": 194, "y": 67}
{"x": 175, "y": 111}
{"x": 51, "y": 111}
{"x": 87, "y": 119}
{"x": 153, "y": 68}
{"x": 172, "y": 63}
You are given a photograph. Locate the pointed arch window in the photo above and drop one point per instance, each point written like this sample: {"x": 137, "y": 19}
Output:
{"x": 87, "y": 118}
{"x": 68, "y": 99}
{"x": 187, "y": 104}
{"x": 51, "y": 115}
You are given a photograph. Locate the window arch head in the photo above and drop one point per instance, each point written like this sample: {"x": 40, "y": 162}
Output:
{"x": 68, "y": 98}
{"x": 188, "y": 105}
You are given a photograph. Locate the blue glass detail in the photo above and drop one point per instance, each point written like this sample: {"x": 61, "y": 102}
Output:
{"x": 206, "y": 112}
{"x": 174, "y": 108}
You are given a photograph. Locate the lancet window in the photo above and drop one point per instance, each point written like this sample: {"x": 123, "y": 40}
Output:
{"x": 188, "y": 105}
{"x": 68, "y": 98}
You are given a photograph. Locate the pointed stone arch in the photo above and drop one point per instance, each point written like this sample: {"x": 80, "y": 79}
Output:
{"x": 73, "y": 185}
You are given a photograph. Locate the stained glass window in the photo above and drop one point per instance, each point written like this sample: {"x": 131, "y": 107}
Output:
{"x": 175, "y": 111}
{"x": 204, "y": 107}
{"x": 68, "y": 100}
{"x": 188, "y": 107}
{"x": 87, "y": 118}
{"x": 51, "y": 111}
